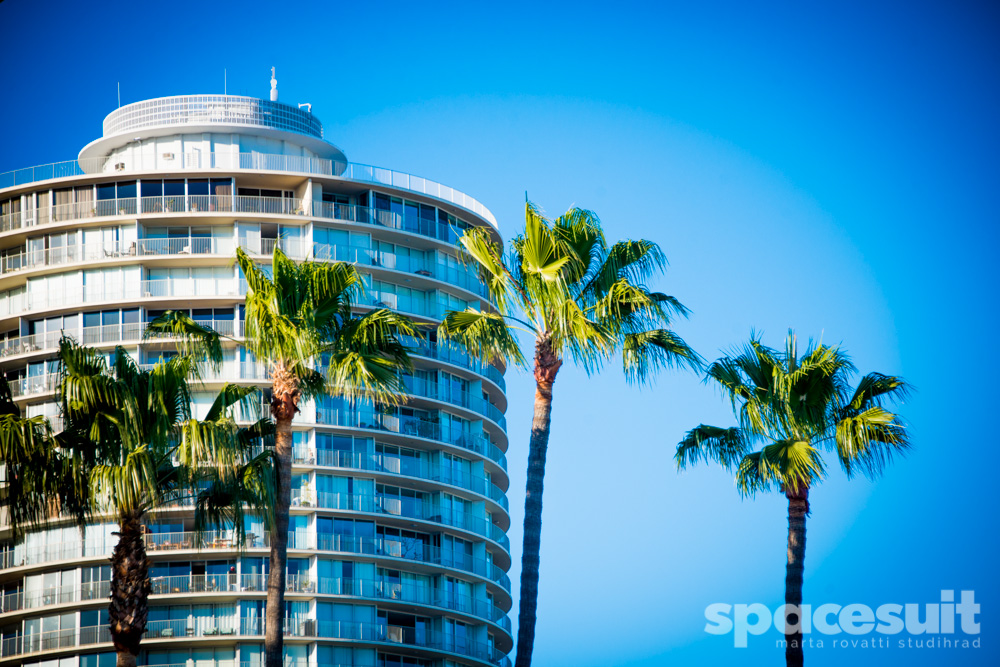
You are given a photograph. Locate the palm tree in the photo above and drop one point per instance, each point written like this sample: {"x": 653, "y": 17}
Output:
{"x": 794, "y": 408}
{"x": 563, "y": 285}
{"x": 295, "y": 321}
{"x": 132, "y": 445}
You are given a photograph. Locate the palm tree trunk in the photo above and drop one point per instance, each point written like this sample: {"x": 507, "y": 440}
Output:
{"x": 546, "y": 366}
{"x": 798, "y": 509}
{"x": 284, "y": 405}
{"x": 130, "y": 587}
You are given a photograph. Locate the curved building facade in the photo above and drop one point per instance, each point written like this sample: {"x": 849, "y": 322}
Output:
{"x": 398, "y": 550}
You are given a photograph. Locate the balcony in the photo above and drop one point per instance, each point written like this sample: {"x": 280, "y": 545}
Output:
{"x": 260, "y": 162}
{"x": 395, "y": 422}
{"x": 335, "y": 458}
{"x": 408, "y": 508}
{"x": 409, "y": 549}
{"x": 163, "y": 288}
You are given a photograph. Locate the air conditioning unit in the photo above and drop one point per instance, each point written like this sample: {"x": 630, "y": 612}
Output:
{"x": 119, "y": 166}
{"x": 168, "y": 156}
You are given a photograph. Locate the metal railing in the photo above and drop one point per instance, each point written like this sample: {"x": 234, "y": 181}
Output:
{"x": 394, "y": 422}
{"x": 441, "y": 392}
{"x": 458, "y": 277}
{"x": 410, "y": 508}
{"x": 24, "y": 302}
{"x": 259, "y": 162}
{"x": 98, "y": 335}
{"x": 405, "y": 548}
{"x": 211, "y": 110}
{"x": 424, "y": 469}
{"x": 35, "y": 384}
{"x": 21, "y": 599}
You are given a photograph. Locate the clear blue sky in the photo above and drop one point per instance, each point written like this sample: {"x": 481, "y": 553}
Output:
{"x": 830, "y": 167}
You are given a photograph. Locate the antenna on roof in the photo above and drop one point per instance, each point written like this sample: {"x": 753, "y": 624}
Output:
{"x": 119, "y": 94}
{"x": 274, "y": 87}
{"x": 225, "y": 81}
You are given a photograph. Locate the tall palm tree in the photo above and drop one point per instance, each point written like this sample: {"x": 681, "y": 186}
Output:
{"x": 563, "y": 285}
{"x": 297, "y": 321}
{"x": 794, "y": 408}
{"x": 132, "y": 446}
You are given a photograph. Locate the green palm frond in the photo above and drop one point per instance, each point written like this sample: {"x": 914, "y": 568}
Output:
{"x": 634, "y": 261}
{"x": 37, "y": 473}
{"x": 875, "y": 388}
{"x": 227, "y": 501}
{"x": 230, "y": 395}
{"x": 127, "y": 488}
{"x": 487, "y": 256}
{"x": 725, "y": 446}
{"x": 191, "y": 338}
{"x": 580, "y": 237}
{"x": 589, "y": 341}
{"x": 367, "y": 357}
{"x": 791, "y": 466}
{"x": 486, "y": 336}
{"x": 646, "y": 352}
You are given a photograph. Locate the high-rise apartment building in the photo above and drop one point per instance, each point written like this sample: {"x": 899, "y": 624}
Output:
{"x": 398, "y": 550}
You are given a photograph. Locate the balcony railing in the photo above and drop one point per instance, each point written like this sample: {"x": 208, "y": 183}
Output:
{"x": 260, "y": 162}
{"x": 99, "y": 335}
{"x": 198, "y": 205}
{"x": 410, "y": 549}
{"x": 36, "y": 384}
{"x": 167, "y": 287}
{"x": 413, "y": 426}
{"x": 410, "y": 508}
{"x": 21, "y": 599}
{"x": 440, "y": 392}
{"x": 423, "y": 469}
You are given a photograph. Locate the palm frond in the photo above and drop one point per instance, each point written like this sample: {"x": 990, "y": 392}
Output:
{"x": 792, "y": 466}
{"x": 487, "y": 256}
{"x": 191, "y": 338}
{"x": 486, "y": 336}
{"x": 867, "y": 440}
{"x": 646, "y": 352}
{"x": 704, "y": 443}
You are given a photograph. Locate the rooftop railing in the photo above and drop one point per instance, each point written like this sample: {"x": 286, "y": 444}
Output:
{"x": 211, "y": 110}
{"x": 257, "y": 162}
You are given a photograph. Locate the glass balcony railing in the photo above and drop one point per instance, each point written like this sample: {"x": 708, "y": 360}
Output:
{"x": 416, "y": 386}
{"x": 33, "y": 599}
{"x": 422, "y": 469}
{"x": 15, "y": 304}
{"x": 260, "y": 162}
{"x": 410, "y": 549}
{"x": 409, "y": 508}
{"x": 35, "y": 384}
{"x": 395, "y": 422}
{"x": 208, "y": 205}
{"x": 99, "y": 335}
{"x": 378, "y": 589}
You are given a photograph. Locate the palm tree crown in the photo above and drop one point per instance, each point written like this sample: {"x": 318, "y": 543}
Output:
{"x": 796, "y": 407}
{"x": 564, "y": 285}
